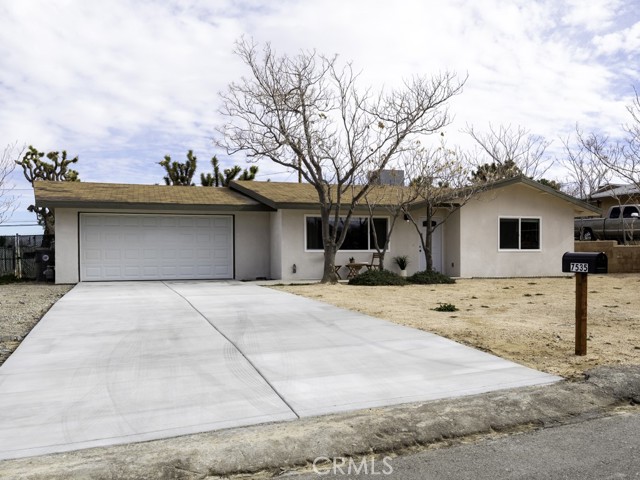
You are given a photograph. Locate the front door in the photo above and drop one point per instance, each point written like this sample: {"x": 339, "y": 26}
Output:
{"x": 436, "y": 246}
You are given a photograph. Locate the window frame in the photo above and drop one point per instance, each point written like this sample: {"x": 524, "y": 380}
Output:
{"x": 371, "y": 248}
{"x": 520, "y": 219}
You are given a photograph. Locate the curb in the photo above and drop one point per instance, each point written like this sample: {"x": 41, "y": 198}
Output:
{"x": 281, "y": 446}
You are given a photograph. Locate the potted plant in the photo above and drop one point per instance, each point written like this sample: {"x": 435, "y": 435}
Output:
{"x": 402, "y": 261}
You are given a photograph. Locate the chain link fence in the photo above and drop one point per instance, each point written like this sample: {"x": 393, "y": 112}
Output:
{"x": 28, "y": 256}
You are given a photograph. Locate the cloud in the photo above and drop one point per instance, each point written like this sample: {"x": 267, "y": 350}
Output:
{"x": 123, "y": 83}
{"x": 594, "y": 15}
{"x": 625, "y": 41}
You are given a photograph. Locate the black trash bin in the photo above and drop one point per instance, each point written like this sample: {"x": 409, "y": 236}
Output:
{"x": 45, "y": 264}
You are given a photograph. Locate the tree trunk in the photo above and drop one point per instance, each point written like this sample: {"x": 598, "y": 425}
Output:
{"x": 427, "y": 246}
{"x": 329, "y": 241}
{"x": 425, "y": 238}
{"x": 49, "y": 224}
{"x": 329, "y": 273}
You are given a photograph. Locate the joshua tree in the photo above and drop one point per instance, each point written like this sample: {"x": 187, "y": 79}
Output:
{"x": 179, "y": 173}
{"x": 222, "y": 179}
{"x": 54, "y": 166}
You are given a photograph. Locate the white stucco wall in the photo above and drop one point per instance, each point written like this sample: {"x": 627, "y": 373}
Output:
{"x": 479, "y": 231}
{"x": 268, "y": 244}
{"x": 252, "y": 241}
{"x": 276, "y": 244}
{"x": 404, "y": 241}
{"x": 309, "y": 264}
{"x": 67, "y": 268}
{"x": 451, "y": 245}
{"x": 252, "y": 245}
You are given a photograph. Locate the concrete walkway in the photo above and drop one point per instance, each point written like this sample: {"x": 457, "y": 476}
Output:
{"x": 114, "y": 363}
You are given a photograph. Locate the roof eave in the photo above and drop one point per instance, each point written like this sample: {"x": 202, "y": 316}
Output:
{"x": 579, "y": 205}
{"x": 253, "y": 194}
{"x": 151, "y": 206}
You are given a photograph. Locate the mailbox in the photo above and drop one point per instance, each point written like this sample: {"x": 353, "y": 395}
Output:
{"x": 585, "y": 262}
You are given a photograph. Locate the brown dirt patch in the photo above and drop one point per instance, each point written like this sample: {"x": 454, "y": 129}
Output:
{"x": 22, "y": 305}
{"x": 528, "y": 320}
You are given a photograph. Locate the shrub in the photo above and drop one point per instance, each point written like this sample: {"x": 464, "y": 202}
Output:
{"x": 446, "y": 307}
{"x": 6, "y": 279}
{"x": 428, "y": 278}
{"x": 377, "y": 278}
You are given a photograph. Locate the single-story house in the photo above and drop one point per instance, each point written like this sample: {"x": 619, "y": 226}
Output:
{"x": 251, "y": 229}
{"x": 613, "y": 195}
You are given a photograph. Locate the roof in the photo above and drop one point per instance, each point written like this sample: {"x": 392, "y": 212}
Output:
{"x": 612, "y": 191}
{"x": 241, "y": 195}
{"x": 581, "y": 208}
{"x": 279, "y": 194}
{"x": 300, "y": 195}
{"x": 290, "y": 195}
{"x": 119, "y": 195}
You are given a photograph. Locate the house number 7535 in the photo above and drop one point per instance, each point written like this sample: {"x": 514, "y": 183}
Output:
{"x": 579, "y": 267}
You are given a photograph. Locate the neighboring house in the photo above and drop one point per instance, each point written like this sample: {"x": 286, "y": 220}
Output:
{"x": 252, "y": 230}
{"x": 612, "y": 194}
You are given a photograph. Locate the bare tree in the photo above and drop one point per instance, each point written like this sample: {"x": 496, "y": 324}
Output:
{"x": 620, "y": 156}
{"x": 307, "y": 113}
{"x": 7, "y": 165}
{"x": 627, "y": 164}
{"x": 584, "y": 164}
{"x": 509, "y": 151}
{"x": 396, "y": 200}
{"x": 442, "y": 187}
{"x": 594, "y": 161}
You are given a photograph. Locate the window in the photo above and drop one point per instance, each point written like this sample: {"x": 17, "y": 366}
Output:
{"x": 359, "y": 235}
{"x": 519, "y": 234}
{"x": 629, "y": 211}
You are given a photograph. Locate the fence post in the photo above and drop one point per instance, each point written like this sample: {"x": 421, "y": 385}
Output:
{"x": 16, "y": 259}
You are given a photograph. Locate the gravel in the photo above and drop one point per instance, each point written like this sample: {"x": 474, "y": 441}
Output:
{"x": 22, "y": 305}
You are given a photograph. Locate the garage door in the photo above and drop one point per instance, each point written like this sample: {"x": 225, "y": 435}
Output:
{"x": 155, "y": 247}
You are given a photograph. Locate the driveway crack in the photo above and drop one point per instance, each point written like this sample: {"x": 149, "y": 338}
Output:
{"x": 238, "y": 349}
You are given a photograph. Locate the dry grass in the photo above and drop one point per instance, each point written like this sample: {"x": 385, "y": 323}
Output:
{"x": 530, "y": 321}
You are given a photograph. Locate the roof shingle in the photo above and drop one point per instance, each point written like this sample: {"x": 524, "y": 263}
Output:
{"x": 304, "y": 195}
{"x": 70, "y": 194}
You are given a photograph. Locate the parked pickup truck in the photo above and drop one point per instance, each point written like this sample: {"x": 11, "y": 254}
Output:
{"x": 622, "y": 222}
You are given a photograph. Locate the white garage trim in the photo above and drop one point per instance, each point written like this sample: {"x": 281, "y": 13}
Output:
{"x": 155, "y": 247}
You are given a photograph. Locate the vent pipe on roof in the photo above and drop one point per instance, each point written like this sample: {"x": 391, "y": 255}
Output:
{"x": 387, "y": 177}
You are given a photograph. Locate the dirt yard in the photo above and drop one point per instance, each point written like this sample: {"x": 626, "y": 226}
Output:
{"x": 530, "y": 321}
{"x": 22, "y": 305}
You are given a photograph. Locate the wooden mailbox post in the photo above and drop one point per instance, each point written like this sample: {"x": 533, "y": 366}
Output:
{"x": 582, "y": 264}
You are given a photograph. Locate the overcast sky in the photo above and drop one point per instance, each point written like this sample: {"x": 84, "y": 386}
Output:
{"x": 123, "y": 83}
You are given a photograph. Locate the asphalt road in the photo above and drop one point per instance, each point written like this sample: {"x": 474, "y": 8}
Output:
{"x": 603, "y": 448}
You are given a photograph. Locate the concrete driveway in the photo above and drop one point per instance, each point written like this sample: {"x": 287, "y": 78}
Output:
{"x": 130, "y": 361}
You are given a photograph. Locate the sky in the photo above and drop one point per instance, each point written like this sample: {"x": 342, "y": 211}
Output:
{"x": 123, "y": 83}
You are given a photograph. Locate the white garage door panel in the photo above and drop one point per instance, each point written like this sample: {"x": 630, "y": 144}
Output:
{"x": 155, "y": 247}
